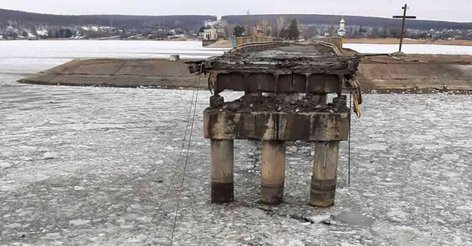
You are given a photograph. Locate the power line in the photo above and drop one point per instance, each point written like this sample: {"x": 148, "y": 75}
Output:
{"x": 349, "y": 140}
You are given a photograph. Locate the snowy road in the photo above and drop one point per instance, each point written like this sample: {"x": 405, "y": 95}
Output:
{"x": 93, "y": 166}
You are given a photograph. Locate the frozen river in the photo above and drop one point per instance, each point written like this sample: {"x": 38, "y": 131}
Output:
{"x": 31, "y": 56}
{"x": 412, "y": 49}
{"x": 100, "y": 166}
{"x": 34, "y": 56}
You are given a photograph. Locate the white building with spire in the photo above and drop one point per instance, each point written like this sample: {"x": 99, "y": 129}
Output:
{"x": 342, "y": 28}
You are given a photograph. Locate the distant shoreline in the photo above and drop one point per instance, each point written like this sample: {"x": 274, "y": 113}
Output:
{"x": 227, "y": 43}
{"x": 68, "y": 39}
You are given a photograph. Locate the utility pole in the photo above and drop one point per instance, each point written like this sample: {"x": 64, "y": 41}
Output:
{"x": 403, "y": 17}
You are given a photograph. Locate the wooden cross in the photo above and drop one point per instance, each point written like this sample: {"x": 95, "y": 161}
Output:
{"x": 403, "y": 17}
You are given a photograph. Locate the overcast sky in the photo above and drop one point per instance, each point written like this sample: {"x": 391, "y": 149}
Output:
{"x": 450, "y": 10}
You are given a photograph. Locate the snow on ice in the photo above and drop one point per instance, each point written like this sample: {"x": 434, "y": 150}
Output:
{"x": 112, "y": 175}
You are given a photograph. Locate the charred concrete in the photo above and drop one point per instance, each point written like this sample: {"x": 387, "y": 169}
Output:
{"x": 286, "y": 87}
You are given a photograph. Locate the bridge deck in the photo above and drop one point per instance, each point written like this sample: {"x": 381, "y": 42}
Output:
{"x": 281, "y": 68}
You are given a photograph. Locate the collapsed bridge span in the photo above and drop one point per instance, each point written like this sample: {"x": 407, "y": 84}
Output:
{"x": 286, "y": 87}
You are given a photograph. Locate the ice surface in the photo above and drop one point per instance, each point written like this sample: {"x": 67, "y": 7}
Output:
{"x": 115, "y": 172}
{"x": 34, "y": 56}
{"x": 412, "y": 49}
{"x": 113, "y": 161}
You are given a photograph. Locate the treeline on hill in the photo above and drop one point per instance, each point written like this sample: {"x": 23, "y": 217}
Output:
{"x": 26, "y": 20}
{"x": 191, "y": 22}
{"x": 25, "y": 25}
{"x": 307, "y": 19}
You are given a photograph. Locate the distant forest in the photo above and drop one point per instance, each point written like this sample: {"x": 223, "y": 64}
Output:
{"x": 189, "y": 22}
{"x": 25, "y": 25}
{"x": 194, "y": 22}
{"x": 308, "y": 19}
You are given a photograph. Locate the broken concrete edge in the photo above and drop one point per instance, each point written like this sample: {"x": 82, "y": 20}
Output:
{"x": 160, "y": 83}
{"x": 277, "y": 58}
{"x": 184, "y": 84}
{"x": 203, "y": 86}
{"x": 128, "y": 73}
{"x": 370, "y": 83}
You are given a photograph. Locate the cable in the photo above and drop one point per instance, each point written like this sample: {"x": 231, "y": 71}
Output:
{"x": 181, "y": 148}
{"x": 349, "y": 140}
{"x": 185, "y": 170}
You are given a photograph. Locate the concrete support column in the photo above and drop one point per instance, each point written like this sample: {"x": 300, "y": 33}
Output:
{"x": 222, "y": 171}
{"x": 272, "y": 172}
{"x": 323, "y": 182}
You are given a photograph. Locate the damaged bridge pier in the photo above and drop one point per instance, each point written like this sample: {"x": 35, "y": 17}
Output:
{"x": 286, "y": 87}
{"x": 222, "y": 170}
{"x": 272, "y": 171}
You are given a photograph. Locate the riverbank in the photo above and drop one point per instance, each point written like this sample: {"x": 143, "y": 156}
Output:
{"x": 406, "y": 41}
{"x": 228, "y": 44}
{"x": 381, "y": 74}
{"x": 416, "y": 73}
{"x": 156, "y": 73}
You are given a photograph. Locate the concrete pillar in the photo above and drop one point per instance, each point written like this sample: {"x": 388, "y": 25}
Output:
{"x": 222, "y": 171}
{"x": 272, "y": 172}
{"x": 323, "y": 182}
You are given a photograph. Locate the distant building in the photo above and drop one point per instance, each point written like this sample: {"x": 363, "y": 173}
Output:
{"x": 263, "y": 28}
{"x": 210, "y": 34}
{"x": 342, "y": 28}
{"x": 42, "y": 33}
{"x": 212, "y": 23}
{"x": 213, "y": 31}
